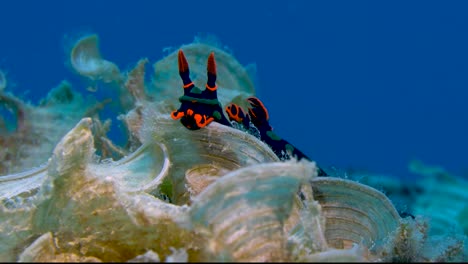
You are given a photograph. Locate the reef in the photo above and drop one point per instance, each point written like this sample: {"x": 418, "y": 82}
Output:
{"x": 69, "y": 193}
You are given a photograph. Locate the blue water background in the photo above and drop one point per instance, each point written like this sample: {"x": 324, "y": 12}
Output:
{"x": 354, "y": 84}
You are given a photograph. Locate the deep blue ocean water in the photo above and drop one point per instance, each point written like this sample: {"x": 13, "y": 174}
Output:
{"x": 354, "y": 84}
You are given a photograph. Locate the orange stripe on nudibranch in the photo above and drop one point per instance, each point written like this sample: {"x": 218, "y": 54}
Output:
{"x": 252, "y": 113}
{"x": 234, "y": 111}
{"x": 183, "y": 64}
{"x": 188, "y": 85}
{"x": 198, "y": 119}
{"x": 231, "y": 109}
{"x": 202, "y": 121}
{"x": 211, "y": 64}
{"x": 208, "y": 120}
{"x": 176, "y": 114}
{"x": 189, "y": 112}
{"x": 211, "y": 88}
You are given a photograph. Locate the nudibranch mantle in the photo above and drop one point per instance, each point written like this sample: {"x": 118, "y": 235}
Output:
{"x": 201, "y": 107}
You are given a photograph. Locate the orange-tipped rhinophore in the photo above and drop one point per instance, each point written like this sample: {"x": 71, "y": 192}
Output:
{"x": 211, "y": 73}
{"x": 183, "y": 64}
{"x": 211, "y": 64}
{"x": 184, "y": 71}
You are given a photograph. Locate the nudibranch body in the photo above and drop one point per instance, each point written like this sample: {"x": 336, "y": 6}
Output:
{"x": 199, "y": 108}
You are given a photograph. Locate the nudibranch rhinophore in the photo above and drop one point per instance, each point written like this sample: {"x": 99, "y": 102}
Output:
{"x": 199, "y": 108}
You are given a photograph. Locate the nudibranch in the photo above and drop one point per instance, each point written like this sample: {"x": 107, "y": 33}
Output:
{"x": 199, "y": 108}
{"x": 258, "y": 116}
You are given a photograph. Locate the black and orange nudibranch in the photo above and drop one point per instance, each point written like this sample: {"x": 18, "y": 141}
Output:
{"x": 258, "y": 116}
{"x": 199, "y": 108}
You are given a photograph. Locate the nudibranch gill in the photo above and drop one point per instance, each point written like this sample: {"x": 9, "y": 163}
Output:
{"x": 201, "y": 107}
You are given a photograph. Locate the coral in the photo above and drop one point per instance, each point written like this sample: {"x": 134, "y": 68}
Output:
{"x": 39, "y": 128}
{"x": 86, "y": 59}
{"x": 136, "y": 82}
